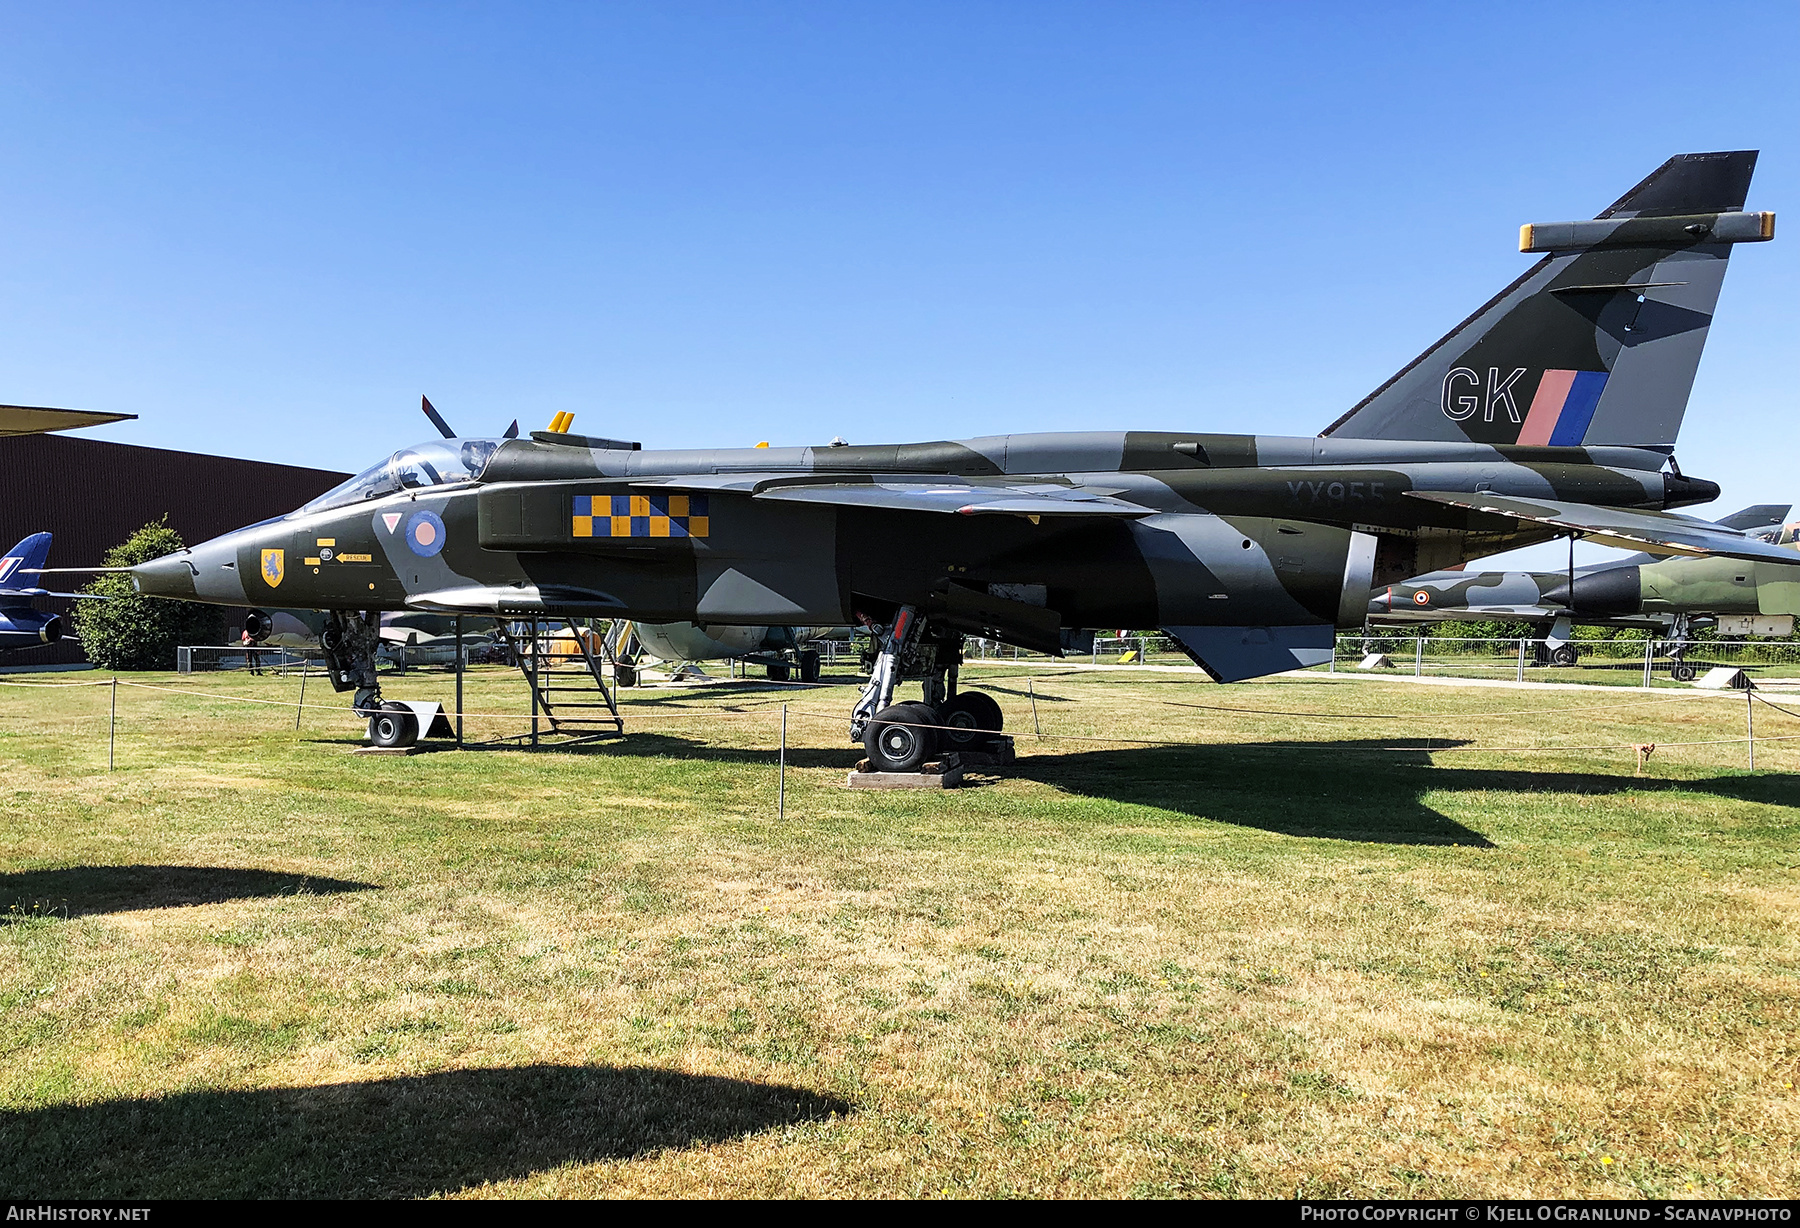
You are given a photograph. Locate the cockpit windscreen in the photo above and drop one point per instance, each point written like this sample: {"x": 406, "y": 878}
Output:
{"x": 437, "y": 463}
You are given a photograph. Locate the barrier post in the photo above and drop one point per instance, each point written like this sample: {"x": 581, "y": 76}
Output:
{"x": 300, "y": 707}
{"x": 1419, "y": 655}
{"x": 1750, "y": 724}
{"x": 781, "y": 776}
{"x": 1521, "y": 659}
{"x": 1031, "y": 690}
{"x": 461, "y": 660}
{"x": 112, "y": 724}
{"x": 1649, "y": 647}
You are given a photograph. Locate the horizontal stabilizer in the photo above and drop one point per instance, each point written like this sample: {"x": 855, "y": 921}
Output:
{"x": 28, "y": 594}
{"x": 1759, "y": 516}
{"x": 1656, "y": 532}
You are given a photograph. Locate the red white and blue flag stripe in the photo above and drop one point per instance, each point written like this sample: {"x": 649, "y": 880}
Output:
{"x": 1562, "y": 408}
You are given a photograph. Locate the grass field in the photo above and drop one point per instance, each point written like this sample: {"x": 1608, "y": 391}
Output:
{"x": 1277, "y": 960}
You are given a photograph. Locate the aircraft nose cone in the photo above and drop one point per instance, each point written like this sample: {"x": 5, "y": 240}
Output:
{"x": 170, "y": 576}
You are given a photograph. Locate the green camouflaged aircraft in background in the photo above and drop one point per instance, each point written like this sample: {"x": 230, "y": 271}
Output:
{"x": 1673, "y": 597}
{"x": 1552, "y": 410}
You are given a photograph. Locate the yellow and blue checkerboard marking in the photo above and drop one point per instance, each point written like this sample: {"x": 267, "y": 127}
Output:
{"x": 641, "y": 516}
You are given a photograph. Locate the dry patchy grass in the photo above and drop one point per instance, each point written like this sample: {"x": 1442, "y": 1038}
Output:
{"x": 1276, "y": 960}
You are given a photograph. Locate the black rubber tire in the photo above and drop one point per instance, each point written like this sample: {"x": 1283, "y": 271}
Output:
{"x": 1681, "y": 671}
{"x": 1566, "y": 655}
{"x": 809, "y": 666}
{"x": 895, "y": 741}
{"x": 972, "y": 715}
{"x": 778, "y": 672}
{"x": 393, "y": 726}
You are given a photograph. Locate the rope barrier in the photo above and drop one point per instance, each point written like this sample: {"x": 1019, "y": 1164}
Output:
{"x": 760, "y": 709}
{"x": 56, "y": 686}
{"x": 1776, "y": 706}
{"x": 1410, "y": 750}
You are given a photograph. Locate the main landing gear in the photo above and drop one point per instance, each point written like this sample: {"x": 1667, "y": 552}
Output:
{"x": 1681, "y": 638}
{"x": 900, "y": 737}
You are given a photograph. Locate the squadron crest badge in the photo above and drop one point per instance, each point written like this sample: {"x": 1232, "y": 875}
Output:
{"x": 273, "y": 565}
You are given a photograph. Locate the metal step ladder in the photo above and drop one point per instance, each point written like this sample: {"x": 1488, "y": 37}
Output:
{"x": 570, "y": 698}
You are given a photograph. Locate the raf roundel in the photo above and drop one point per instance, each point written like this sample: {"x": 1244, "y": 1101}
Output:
{"x": 425, "y": 533}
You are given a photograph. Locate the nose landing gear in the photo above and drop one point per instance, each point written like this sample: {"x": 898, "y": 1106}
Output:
{"x": 350, "y": 641}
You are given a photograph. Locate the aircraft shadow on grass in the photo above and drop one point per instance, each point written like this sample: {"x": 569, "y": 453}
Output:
{"x": 1312, "y": 789}
{"x": 1308, "y": 789}
{"x": 81, "y": 891}
{"x": 390, "y": 1138}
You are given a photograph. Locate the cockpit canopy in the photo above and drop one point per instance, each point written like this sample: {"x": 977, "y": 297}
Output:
{"x": 437, "y": 463}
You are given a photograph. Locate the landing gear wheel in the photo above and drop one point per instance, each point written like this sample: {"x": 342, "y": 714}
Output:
{"x": 1681, "y": 671}
{"x": 778, "y": 672}
{"x": 809, "y": 666}
{"x": 895, "y": 740}
{"x": 1566, "y": 655}
{"x": 392, "y": 726}
{"x": 972, "y": 715}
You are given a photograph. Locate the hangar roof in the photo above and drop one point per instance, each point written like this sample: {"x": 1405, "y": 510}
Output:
{"x": 34, "y": 420}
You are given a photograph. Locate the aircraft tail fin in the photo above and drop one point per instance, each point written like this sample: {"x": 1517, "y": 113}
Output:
{"x": 19, "y": 566}
{"x": 1598, "y": 342}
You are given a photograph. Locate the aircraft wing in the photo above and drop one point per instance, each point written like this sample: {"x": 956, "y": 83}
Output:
{"x": 965, "y": 500}
{"x": 1657, "y": 532}
{"x": 28, "y": 594}
{"x": 906, "y": 493}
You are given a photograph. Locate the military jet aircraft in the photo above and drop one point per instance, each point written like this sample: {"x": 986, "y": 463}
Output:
{"x": 782, "y": 651}
{"x": 1552, "y": 410}
{"x": 22, "y": 626}
{"x": 406, "y": 636}
{"x": 1674, "y": 597}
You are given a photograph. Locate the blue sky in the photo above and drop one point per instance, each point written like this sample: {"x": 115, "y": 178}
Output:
{"x": 267, "y": 228}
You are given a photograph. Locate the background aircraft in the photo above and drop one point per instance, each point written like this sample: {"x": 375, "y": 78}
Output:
{"x": 1553, "y": 410}
{"x": 1673, "y": 597}
{"x": 782, "y": 651}
{"x": 427, "y": 639}
{"x": 22, "y": 626}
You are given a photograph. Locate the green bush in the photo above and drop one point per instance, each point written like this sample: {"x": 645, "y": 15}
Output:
{"x": 132, "y": 632}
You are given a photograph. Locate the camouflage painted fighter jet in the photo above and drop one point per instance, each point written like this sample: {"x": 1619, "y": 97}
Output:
{"x": 1673, "y": 597}
{"x": 1552, "y": 410}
